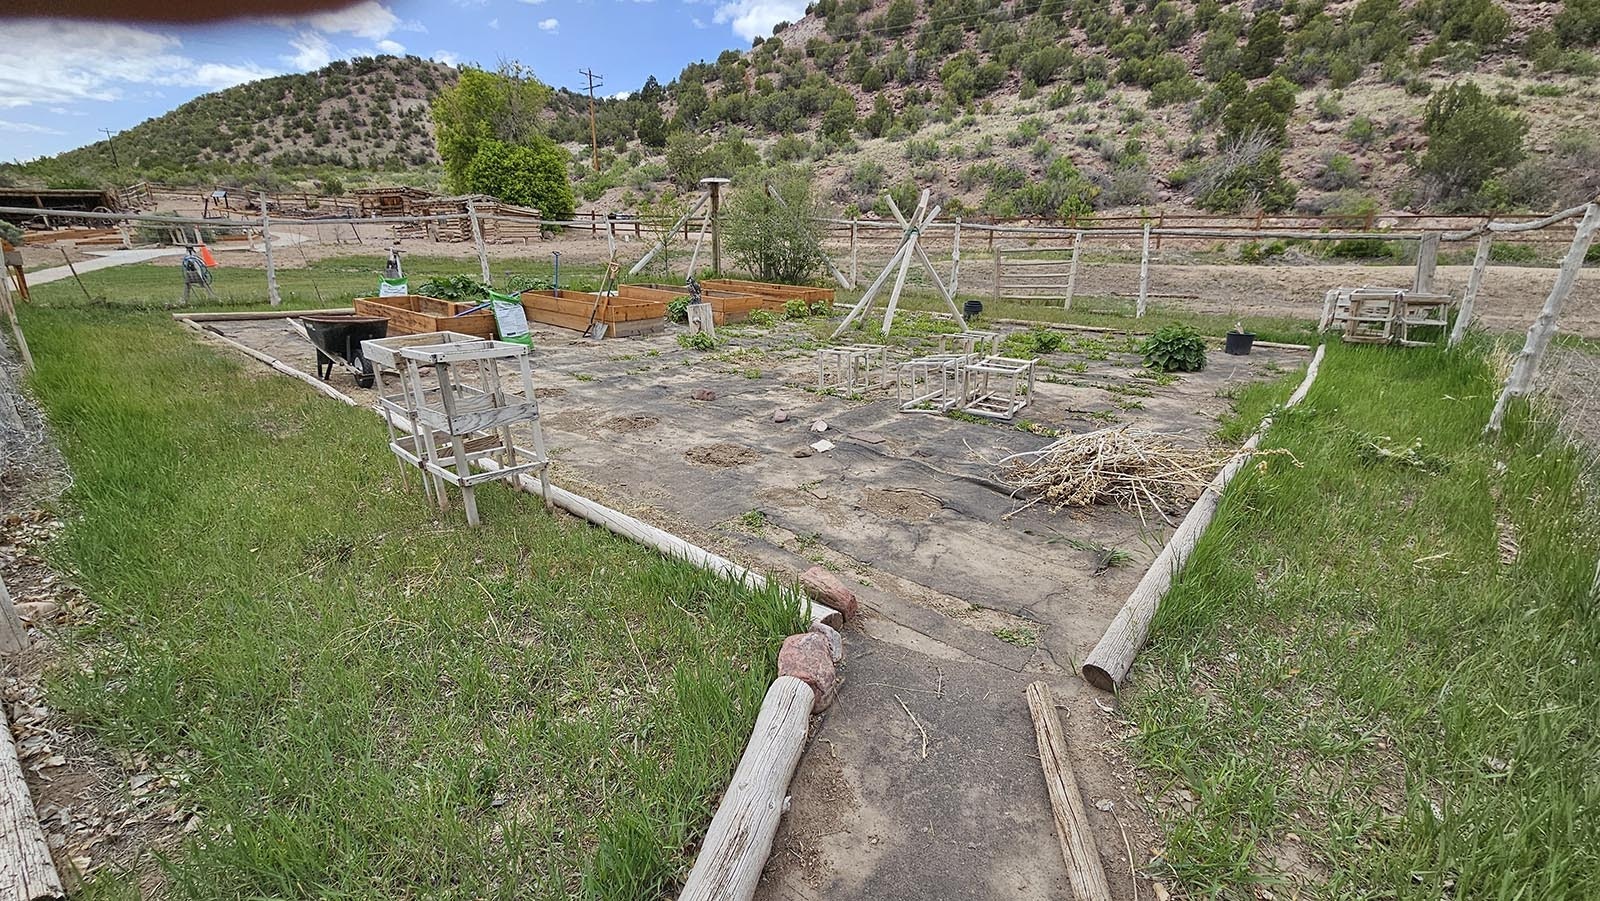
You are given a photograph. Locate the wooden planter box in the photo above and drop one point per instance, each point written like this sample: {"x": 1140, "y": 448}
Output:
{"x": 771, "y": 291}
{"x": 624, "y": 315}
{"x": 726, "y": 306}
{"x": 414, "y": 314}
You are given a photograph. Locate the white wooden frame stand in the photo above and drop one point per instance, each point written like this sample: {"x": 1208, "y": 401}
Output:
{"x": 853, "y": 366}
{"x": 933, "y": 384}
{"x": 971, "y": 341}
{"x": 911, "y": 229}
{"x": 998, "y": 387}
{"x": 461, "y": 396}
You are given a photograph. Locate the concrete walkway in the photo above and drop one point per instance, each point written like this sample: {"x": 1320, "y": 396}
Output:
{"x": 110, "y": 258}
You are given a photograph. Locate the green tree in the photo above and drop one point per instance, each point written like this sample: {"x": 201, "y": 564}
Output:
{"x": 1263, "y": 45}
{"x": 1470, "y": 140}
{"x": 532, "y": 174}
{"x": 485, "y": 106}
{"x": 780, "y": 242}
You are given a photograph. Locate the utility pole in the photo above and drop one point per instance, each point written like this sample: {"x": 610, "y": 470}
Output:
{"x": 594, "y": 139}
{"x": 111, "y": 140}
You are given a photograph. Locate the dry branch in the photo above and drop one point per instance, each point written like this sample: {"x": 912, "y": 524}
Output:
{"x": 1084, "y": 871}
{"x": 1131, "y": 468}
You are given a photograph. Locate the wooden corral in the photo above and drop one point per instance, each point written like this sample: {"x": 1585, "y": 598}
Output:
{"x": 624, "y": 315}
{"x": 395, "y": 201}
{"x": 415, "y": 314}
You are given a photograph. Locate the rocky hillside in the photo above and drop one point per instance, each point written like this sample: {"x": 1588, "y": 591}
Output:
{"x": 368, "y": 114}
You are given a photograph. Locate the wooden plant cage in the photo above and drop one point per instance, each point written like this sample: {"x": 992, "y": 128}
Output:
{"x": 416, "y": 314}
{"x": 777, "y": 295}
{"x": 726, "y": 306}
{"x": 624, "y": 315}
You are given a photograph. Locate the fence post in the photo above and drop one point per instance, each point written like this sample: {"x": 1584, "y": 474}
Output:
{"x": 611, "y": 239}
{"x": 16, "y": 327}
{"x": 266, "y": 250}
{"x": 1543, "y": 328}
{"x": 1427, "y": 262}
{"x": 998, "y": 272}
{"x": 855, "y": 281}
{"x": 1072, "y": 274}
{"x": 1480, "y": 262}
{"x": 1144, "y": 273}
{"x": 955, "y": 261}
{"x": 477, "y": 239}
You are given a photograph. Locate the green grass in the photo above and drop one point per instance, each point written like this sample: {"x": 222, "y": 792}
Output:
{"x": 362, "y": 700}
{"x": 1348, "y": 674}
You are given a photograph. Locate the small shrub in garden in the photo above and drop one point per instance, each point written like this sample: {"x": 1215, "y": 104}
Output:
{"x": 762, "y": 318}
{"x": 678, "y": 309}
{"x": 822, "y": 308}
{"x": 795, "y": 309}
{"x": 1175, "y": 348}
{"x": 1033, "y": 342}
{"x": 697, "y": 341}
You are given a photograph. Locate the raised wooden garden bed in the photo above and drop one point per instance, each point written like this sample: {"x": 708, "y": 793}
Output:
{"x": 771, "y": 291}
{"x": 726, "y": 306}
{"x": 624, "y": 315}
{"x": 414, "y": 314}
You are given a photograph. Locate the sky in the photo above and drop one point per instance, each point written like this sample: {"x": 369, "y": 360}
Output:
{"x": 62, "y": 81}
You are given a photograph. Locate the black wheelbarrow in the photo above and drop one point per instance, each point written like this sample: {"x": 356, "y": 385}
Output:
{"x": 337, "y": 338}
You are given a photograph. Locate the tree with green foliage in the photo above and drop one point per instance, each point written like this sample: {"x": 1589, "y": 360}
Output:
{"x": 1263, "y": 45}
{"x": 1470, "y": 140}
{"x": 778, "y": 242}
{"x": 1245, "y": 174}
{"x": 486, "y": 106}
{"x": 532, "y": 174}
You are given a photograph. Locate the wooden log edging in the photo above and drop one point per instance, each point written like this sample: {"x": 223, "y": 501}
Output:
{"x": 250, "y": 315}
{"x": 736, "y": 846}
{"x": 26, "y": 870}
{"x": 1084, "y": 871}
{"x": 1108, "y": 663}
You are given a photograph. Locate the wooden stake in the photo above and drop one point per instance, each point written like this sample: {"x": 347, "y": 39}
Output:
{"x": 1427, "y": 263}
{"x": 1112, "y": 656}
{"x": 26, "y": 870}
{"x": 1084, "y": 872}
{"x": 1480, "y": 263}
{"x": 735, "y": 850}
{"x": 955, "y": 261}
{"x": 16, "y": 325}
{"x": 13, "y": 634}
{"x": 74, "y": 270}
{"x": 1543, "y": 328}
{"x": 1072, "y": 274}
{"x": 266, "y": 250}
{"x": 853, "y": 270}
{"x": 477, "y": 239}
{"x": 1144, "y": 273}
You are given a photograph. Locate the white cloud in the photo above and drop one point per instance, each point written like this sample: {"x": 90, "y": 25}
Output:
{"x": 64, "y": 62}
{"x": 28, "y": 128}
{"x": 697, "y": 21}
{"x": 369, "y": 19}
{"x": 448, "y": 57}
{"x": 551, "y": 25}
{"x": 312, "y": 51}
{"x": 493, "y": 23}
{"x": 531, "y": 2}
{"x": 393, "y": 48}
{"x": 751, "y": 19}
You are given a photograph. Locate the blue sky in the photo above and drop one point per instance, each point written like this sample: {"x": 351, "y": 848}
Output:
{"x": 62, "y": 81}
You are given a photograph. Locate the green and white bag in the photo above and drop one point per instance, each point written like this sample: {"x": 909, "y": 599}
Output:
{"x": 510, "y": 320}
{"x": 393, "y": 287}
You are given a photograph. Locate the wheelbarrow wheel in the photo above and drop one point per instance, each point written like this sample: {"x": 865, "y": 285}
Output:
{"x": 365, "y": 378}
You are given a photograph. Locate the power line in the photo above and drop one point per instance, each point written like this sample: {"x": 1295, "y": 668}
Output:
{"x": 111, "y": 141}
{"x": 594, "y": 137}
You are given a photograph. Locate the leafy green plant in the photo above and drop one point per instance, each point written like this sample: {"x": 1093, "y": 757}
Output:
{"x": 697, "y": 341}
{"x": 454, "y": 287}
{"x": 1033, "y": 342}
{"x": 821, "y": 308}
{"x": 762, "y": 318}
{"x": 796, "y": 309}
{"x": 1175, "y": 348}
{"x": 678, "y": 309}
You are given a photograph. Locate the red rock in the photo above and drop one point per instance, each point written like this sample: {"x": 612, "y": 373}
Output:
{"x": 825, "y": 588}
{"x": 806, "y": 657}
{"x": 835, "y": 641}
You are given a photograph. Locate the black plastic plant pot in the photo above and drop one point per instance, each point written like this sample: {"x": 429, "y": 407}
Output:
{"x": 1239, "y": 343}
{"x": 972, "y": 309}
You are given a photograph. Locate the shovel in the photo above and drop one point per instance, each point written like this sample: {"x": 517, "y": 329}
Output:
{"x": 597, "y": 330}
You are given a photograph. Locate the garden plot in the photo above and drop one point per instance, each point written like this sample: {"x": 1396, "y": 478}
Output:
{"x": 909, "y": 510}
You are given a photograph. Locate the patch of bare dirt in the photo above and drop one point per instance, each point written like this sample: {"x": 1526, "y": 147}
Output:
{"x": 723, "y": 455}
{"x": 633, "y": 422}
{"x": 901, "y": 503}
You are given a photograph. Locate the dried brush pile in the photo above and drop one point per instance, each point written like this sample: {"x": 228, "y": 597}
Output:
{"x": 1132, "y": 468}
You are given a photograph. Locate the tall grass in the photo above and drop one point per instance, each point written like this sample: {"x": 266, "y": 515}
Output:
{"x": 362, "y": 700}
{"x": 1362, "y": 690}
